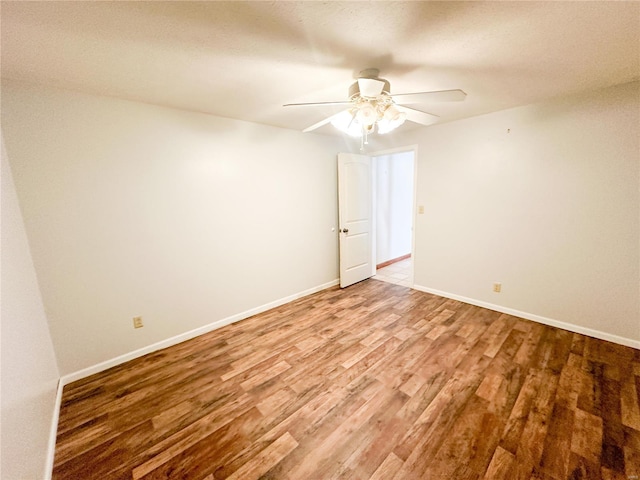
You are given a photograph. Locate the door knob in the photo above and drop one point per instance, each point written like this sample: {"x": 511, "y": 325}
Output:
{"x": 345, "y": 230}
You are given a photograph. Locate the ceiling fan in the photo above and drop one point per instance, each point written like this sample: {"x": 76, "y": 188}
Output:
{"x": 371, "y": 104}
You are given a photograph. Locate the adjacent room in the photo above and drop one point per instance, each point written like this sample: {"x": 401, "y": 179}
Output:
{"x": 320, "y": 240}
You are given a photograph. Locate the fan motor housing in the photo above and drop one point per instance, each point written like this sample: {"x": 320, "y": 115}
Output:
{"x": 354, "y": 89}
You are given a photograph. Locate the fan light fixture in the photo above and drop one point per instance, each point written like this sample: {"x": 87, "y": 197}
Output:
{"x": 371, "y": 107}
{"x": 367, "y": 113}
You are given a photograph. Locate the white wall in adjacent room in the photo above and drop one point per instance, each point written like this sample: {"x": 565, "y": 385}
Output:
{"x": 181, "y": 218}
{"x": 29, "y": 371}
{"x": 542, "y": 198}
{"x": 394, "y": 205}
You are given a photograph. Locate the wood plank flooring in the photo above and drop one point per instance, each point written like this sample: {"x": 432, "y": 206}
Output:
{"x": 376, "y": 381}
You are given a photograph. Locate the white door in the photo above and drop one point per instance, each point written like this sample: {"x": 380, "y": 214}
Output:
{"x": 355, "y": 216}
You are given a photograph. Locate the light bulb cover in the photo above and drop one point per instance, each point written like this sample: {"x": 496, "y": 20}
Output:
{"x": 367, "y": 114}
{"x": 391, "y": 120}
{"x": 363, "y": 117}
{"x": 392, "y": 113}
{"x": 346, "y": 123}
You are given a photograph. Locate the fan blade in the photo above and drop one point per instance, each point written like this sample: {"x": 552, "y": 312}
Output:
{"x": 417, "y": 116}
{"x": 424, "y": 97}
{"x": 322, "y": 122}
{"x": 370, "y": 87}
{"x": 316, "y": 104}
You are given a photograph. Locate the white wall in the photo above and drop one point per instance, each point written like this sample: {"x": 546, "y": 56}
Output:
{"x": 29, "y": 371}
{"x": 182, "y": 218}
{"x": 543, "y": 198}
{"x": 394, "y": 205}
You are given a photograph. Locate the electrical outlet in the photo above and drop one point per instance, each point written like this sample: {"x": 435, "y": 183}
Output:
{"x": 497, "y": 287}
{"x": 137, "y": 322}
{"x": 420, "y": 209}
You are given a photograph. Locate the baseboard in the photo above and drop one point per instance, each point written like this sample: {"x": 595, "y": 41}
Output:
{"x": 536, "y": 318}
{"x": 169, "y": 342}
{"x": 53, "y": 433}
{"x": 392, "y": 261}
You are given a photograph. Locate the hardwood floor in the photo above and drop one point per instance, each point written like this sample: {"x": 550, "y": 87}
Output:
{"x": 376, "y": 381}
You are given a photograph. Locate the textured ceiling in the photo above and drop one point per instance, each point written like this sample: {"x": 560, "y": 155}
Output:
{"x": 245, "y": 60}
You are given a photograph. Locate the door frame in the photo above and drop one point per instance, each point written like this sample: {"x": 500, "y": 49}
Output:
{"x": 391, "y": 151}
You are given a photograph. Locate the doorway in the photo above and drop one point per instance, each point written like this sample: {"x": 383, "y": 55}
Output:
{"x": 394, "y": 180}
